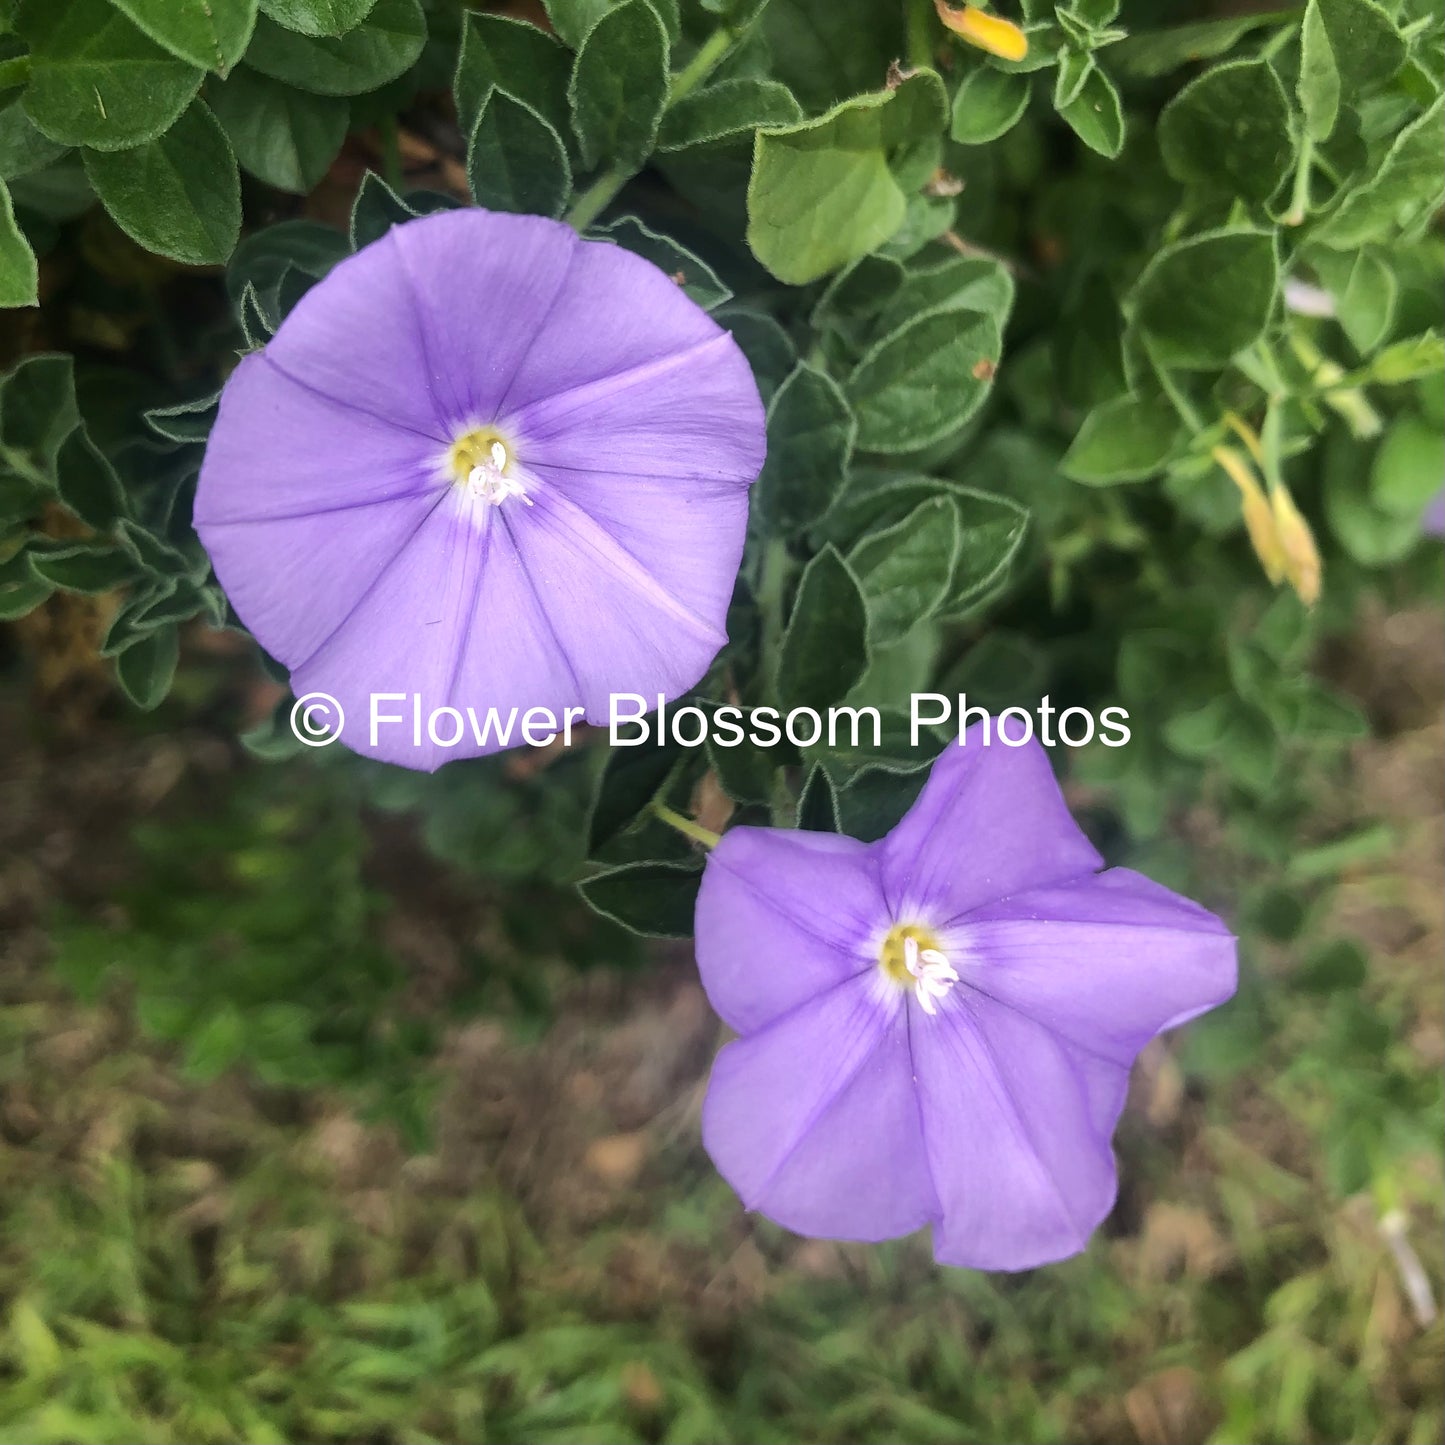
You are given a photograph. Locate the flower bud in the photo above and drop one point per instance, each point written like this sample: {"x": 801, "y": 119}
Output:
{"x": 1301, "y": 555}
{"x": 989, "y": 32}
{"x": 1259, "y": 517}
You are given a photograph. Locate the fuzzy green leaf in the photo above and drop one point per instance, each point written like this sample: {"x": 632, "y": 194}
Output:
{"x": 283, "y": 136}
{"x": 823, "y": 192}
{"x": 619, "y": 86}
{"x": 19, "y": 272}
{"x": 811, "y": 430}
{"x": 1124, "y": 440}
{"x": 530, "y": 65}
{"x": 825, "y": 649}
{"x": 209, "y": 33}
{"x": 989, "y": 104}
{"x": 180, "y": 195}
{"x": 1202, "y": 300}
{"x": 516, "y": 161}
{"x": 1230, "y": 129}
{"x": 382, "y": 47}
{"x": 318, "y": 17}
{"x": 922, "y": 383}
{"x": 96, "y": 79}
{"x": 656, "y": 900}
{"x": 905, "y": 571}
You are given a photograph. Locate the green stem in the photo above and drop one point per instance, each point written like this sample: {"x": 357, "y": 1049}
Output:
{"x": 918, "y": 16}
{"x": 686, "y": 826}
{"x": 603, "y": 191}
{"x": 1299, "y": 203}
{"x": 391, "y": 153}
{"x": 598, "y": 196}
{"x": 708, "y": 58}
{"x": 15, "y": 71}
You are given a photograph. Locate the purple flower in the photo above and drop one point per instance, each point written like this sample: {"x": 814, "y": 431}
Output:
{"x": 938, "y": 1028}
{"x": 485, "y": 464}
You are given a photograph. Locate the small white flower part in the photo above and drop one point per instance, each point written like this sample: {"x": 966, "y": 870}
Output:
{"x": 490, "y": 483}
{"x": 933, "y": 972}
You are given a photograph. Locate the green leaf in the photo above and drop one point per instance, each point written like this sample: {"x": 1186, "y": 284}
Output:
{"x": 1202, "y": 300}
{"x": 768, "y": 348}
{"x": 923, "y": 382}
{"x": 187, "y": 421}
{"x": 208, "y": 33}
{"x": 1365, "y": 293}
{"x": 825, "y": 649}
{"x": 218, "y": 1043}
{"x": 823, "y": 192}
{"x": 989, "y": 104}
{"x": 811, "y": 430}
{"x": 146, "y": 667}
{"x": 180, "y": 195}
{"x": 1409, "y": 467}
{"x": 37, "y": 406}
{"x": 696, "y": 278}
{"x": 516, "y": 161}
{"x": 1151, "y": 53}
{"x": 87, "y": 482}
{"x": 1371, "y": 535}
{"x": 23, "y": 148}
{"x": 1230, "y": 128}
{"x": 905, "y": 571}
{"x": 619, "y": 86}
{"x": 95, "y": 79}
{"x": 530, "y": 65}
{"x": 85, "y": 568}
{"x": 631, "y": 778}
{"x": 378, "y": 208}
{"x": 817, "y": 804}
{"x": 385, "y": 45}
{"x": 1096, "y": 114}
{"x": 1349, "y": 48}
{"x": 727, "y": 109}
{"x": 826, "y": 50}
{"x": 21, "y": 591}
{"x": 1408, "y": 360}
{"x": 573, "y": 19}
{"x": 1124, "y": 440}
{"x": 318, "y": 17}
{"x": 19, "y": 271}
{"x": 282, "y": 136}
{"x": 657, "y": 900}
{"x": 961, "y": 283}
{"x": 1404, "y": 192}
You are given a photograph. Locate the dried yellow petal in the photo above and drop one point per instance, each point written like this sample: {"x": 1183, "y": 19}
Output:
{"x": 989, "y": 32}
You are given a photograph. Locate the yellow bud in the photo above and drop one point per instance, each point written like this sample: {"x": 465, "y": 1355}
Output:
{"x": 1259, "y": 517}
{"x": 989, "y": 32}
{"x": 1301, "y": 555}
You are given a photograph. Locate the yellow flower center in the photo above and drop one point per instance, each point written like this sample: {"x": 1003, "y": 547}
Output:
{"x": 476, "y": 449}
{"x": 893, "y": 955}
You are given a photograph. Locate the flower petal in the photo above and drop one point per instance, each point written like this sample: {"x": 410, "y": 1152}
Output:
{"x": 1017, "y": 1128}
{"x": 484, "y": 287}
{"x": 458, "y": 625}
{"x": 614, "y": 313}
{"x": 990, "y": 822}
{"x": 1105, "y": 962}
{"x": 302, "y": 502}
{"x": 814, "y": 1121}
{"x": 783, "y": 916}
{"x": 692, "y": 414}
{"x": 619, "y": 627}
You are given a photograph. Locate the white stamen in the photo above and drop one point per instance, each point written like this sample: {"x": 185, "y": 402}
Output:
{"x": 932, "y": 971}
{"x": 490, "y": 483}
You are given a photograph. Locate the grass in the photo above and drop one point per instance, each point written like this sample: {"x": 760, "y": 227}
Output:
{"x": 199, "y": 1246}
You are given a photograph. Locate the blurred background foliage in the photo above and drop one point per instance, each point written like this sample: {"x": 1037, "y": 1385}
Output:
{"x": 332, "y": 1111}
